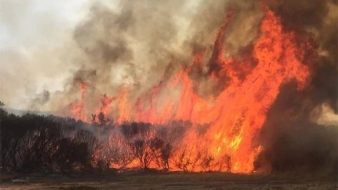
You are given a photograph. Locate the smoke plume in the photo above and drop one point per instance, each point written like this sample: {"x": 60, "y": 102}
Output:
{"x": 301, "y": 129}
{"x": 129, "y": 51}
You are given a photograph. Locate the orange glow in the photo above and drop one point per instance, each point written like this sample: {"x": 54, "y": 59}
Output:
{"x": 77, "y": 109}
{"x": 235, "y": 114}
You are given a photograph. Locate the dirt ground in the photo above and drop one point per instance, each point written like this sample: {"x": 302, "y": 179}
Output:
{"x": 169, "y": 181}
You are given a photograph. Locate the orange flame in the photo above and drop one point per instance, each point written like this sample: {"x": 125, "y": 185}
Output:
{"x": 237, "y": 113}
{"x": 77, "y": 109}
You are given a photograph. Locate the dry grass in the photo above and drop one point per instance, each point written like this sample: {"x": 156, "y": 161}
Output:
{"x": 169, "y": 181}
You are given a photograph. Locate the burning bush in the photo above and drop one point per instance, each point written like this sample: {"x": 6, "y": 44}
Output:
{"x": 238, "y": 87}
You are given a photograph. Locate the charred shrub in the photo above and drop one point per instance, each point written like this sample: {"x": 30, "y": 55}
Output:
{"x": 35, "y": 143}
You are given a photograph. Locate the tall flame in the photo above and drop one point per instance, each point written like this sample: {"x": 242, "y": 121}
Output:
{"x": 236, "y": 114}
{"x": 77, "y": 109}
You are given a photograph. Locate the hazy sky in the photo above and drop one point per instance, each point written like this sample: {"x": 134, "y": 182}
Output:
{"x": 37, "y": 49}
{"x": 32, "y": 36}
{"x": 21, "y": 21}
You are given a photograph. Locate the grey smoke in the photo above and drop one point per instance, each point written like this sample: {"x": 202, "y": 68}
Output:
{"x": 140, "y": 43}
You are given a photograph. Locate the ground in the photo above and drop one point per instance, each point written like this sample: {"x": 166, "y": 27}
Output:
{"x": 156, "y": 180}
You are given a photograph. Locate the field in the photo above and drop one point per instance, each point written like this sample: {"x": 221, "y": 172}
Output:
{"x": 155, "y": 180}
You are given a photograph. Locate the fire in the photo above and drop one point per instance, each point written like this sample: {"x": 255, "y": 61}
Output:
{"x": 235, "y": 114}
{"x": 77, "y": 109}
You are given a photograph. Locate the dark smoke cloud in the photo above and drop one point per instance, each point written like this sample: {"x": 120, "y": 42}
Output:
{"x": 144, "y": 42}
{"x": 301, "y": 131}
{"x": 319, "y": 19}
{"x": 40, "y": 100}
{"x": 131, "y": 46}
{"x": 141, "y": 43}
{"x": 294, "y": 143}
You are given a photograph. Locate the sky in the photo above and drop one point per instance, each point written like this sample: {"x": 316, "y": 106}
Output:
{"x": 32, "y": 35}
{"x": 37, "y": 49}
{"x": 20, "y": 21}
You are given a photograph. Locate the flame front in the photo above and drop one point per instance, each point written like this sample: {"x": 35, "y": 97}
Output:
{"x": 236, "y": 114}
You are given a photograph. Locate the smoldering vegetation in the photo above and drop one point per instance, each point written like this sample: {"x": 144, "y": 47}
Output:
{"x": 291, "y": 137}
{"x": 142, "y": 42}
{"x": 33, "y": 143}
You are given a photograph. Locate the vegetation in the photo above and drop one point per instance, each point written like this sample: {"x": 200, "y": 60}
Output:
{"x": 49, "y": 143}
{"x": 33, "y": 143}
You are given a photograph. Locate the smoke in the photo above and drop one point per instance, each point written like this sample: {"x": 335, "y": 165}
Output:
{"x": 141, "y": 44}
{"x": 319, "y": 19}
{"x": 324, "y": 115}
{"x": 133, "y": 44}
{"x": 37, "y": 51}
{"x": 293, "y": 142}
{"x": 137, "y": 44}
{"x": 300, "y": 132}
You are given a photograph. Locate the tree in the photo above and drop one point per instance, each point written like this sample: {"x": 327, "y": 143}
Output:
{"x": 142, "y": 152}
{"x": 31, "y": 142}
